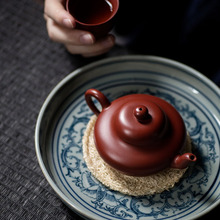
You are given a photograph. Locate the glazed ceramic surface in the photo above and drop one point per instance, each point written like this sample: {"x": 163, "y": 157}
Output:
{"x": 65, "y": 114}
{"x": 96, "y": 16}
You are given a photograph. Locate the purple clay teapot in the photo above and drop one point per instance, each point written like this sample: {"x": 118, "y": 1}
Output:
{"x": 139, "y": 134}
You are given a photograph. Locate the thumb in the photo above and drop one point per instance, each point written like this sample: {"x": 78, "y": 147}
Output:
{"x": 55, "y": 9}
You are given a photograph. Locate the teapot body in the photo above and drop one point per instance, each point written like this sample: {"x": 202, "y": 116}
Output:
{"x": 138, "y": 134}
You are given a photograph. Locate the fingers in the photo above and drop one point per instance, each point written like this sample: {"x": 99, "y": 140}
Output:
{"x": 65, "y": 35}
{"x": 61, "y": 28}
{"x": 55, "y": 9}
{"x": 100, "y": 47}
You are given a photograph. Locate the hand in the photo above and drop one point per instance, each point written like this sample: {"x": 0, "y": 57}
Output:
{"x": 61, "y": 28}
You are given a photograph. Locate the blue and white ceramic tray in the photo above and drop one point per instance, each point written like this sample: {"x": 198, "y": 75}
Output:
{"x": 64, "y": 116}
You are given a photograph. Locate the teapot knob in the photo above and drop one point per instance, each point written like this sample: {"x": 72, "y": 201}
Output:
{"x": 141, "y": 113}
{"x": 142, "y": 124}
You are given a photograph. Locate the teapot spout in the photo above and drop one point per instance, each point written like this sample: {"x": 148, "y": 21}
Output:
{"x": 183, "y": 161}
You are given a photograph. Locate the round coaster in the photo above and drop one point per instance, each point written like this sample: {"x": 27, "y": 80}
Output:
{"x": 115, "y": 180}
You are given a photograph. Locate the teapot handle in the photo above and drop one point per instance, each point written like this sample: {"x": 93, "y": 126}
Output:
{"x": 97, "y": 95}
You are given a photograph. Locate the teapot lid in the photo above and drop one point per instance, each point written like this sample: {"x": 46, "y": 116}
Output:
{"x": 137, "y": 134}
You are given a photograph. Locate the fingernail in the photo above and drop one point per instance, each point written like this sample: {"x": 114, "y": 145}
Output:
{"x": 108, "y": 42}
{"x": 86, "y": 39}
{"x": 68, "y": 23}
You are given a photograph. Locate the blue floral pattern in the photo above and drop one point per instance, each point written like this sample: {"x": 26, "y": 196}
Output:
{"x": 183, "y": 196}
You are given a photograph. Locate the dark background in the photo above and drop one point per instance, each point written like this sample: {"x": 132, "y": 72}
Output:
{"x": 30, "y": 67}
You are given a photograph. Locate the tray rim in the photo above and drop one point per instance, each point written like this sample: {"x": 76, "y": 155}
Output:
{"x": 73, "y": 74}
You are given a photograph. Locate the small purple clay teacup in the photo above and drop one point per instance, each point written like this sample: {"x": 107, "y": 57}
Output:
{"x": 95, "y": 16}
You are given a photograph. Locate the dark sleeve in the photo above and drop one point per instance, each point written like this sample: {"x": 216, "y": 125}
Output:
{"x": 184, "y": 30}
